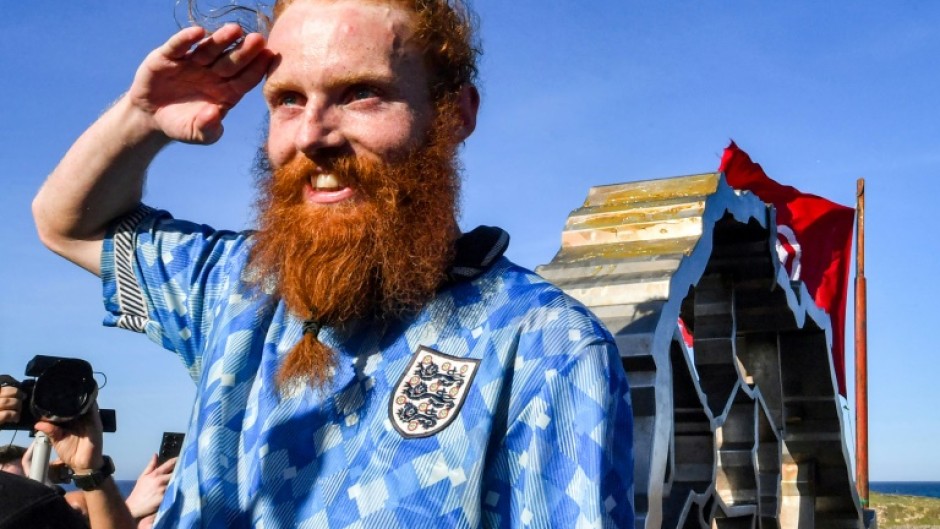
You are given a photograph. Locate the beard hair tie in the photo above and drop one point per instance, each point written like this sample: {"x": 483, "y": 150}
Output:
{"x": 311, "y": 327}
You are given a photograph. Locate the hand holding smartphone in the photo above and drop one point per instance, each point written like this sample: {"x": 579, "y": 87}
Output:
{"x": 170, "y": 446}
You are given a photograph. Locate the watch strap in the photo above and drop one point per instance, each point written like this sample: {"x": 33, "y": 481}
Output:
{"x": 94, "y": 479}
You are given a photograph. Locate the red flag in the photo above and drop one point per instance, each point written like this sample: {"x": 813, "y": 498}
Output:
{"x": 814, "y": 241}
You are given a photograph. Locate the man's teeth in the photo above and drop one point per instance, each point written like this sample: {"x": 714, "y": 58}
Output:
{"x": 327, "y": 181}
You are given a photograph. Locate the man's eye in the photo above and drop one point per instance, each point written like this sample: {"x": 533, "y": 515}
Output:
{"x": 289, "y": 100}
{"x": 285, "y": 99}
{"x": 358, "y": 93}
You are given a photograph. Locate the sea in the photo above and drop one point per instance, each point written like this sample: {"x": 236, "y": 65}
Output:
{"x": 125, "y": 485}
{"x": 930, "y": 489}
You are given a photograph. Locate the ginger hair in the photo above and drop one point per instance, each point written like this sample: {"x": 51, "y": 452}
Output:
{"x": 446, "y": 32}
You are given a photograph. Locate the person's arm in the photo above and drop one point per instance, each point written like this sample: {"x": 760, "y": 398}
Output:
{"x": 106, "y": 508}
{"x": 79, "y": 445}
{"x": 181, "y": 92}
{"x": 27, "y": 460}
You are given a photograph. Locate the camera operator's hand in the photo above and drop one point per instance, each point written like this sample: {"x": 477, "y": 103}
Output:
{"x": 11, "y": 402}
{"x": 78, "y": 443}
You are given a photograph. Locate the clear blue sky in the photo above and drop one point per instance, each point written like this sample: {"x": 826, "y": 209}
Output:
{"x": 575, "y": 94}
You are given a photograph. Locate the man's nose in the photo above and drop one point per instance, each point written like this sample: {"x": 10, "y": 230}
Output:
{"x": 320, "y": 129}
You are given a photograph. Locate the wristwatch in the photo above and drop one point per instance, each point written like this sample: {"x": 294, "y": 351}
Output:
{"x": 94, "y": 479}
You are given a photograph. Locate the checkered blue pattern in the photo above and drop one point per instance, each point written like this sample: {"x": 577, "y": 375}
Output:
{"x": 543, "y": 439}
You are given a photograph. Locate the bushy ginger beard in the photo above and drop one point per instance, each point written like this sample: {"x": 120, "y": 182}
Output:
{"x": 380, "y": 255}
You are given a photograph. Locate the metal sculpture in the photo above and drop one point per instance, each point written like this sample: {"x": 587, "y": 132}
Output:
{"x": 740, "y": 426}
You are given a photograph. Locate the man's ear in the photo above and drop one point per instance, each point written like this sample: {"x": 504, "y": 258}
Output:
{"x": 468, "y": 103}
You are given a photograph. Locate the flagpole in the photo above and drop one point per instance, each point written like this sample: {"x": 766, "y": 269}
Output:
{"x": 861, "y": 352}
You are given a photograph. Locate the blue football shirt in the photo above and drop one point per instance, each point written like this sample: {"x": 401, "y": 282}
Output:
{"x": 503, "y": 403}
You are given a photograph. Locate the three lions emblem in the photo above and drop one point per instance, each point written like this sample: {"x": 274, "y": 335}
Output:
{"x": 430, "y": 392}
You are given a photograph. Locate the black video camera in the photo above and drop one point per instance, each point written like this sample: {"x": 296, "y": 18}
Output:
{"x": 62, "y": 390}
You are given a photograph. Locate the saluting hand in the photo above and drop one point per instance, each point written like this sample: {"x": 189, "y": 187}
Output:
{"x": 190, "y": 82}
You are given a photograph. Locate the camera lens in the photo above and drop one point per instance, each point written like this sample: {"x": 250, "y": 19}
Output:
{"x": 64, "y": 391}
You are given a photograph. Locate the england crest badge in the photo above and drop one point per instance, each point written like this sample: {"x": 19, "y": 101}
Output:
{"x": 430, "y": 392}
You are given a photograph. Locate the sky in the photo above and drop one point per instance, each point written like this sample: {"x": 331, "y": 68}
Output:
{"x": 575, "y": 94}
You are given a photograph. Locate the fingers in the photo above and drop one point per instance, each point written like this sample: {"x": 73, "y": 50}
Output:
{"x": 152, "y": 464}
{"x": 9, "y": 413}
{"x": 27, "y": 459}
{"x": 211, "y": 49}
{"x": 225, "y": 52}
{"x": 10, "y": 392}
{"x": 179, "y": 44}
{"x": 146, "y": 522}
{"x": 253, "y": 72}
{"x": 167, "y": 466}
{"x": 87, "y": 426}
{"x": 54, "y": 432}
{"x": 239, "y": 57}
{"x": 91, "y": 422}
{"x": 207, "y": 124}
{"x": 11, "y": 404}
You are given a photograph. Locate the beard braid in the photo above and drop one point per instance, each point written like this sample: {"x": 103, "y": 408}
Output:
{"x": 381, "y": 256}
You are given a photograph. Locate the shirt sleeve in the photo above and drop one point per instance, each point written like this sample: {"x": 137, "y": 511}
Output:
{"x": 567, "y": 458}
{"x": 166, "y": 277}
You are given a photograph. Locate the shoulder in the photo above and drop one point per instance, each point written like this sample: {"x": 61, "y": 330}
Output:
{"x": 147, "y": 223}
{"x": 518, "y": 295}
{"x": 559, "y": 358}
{"x": 159, "y": 237}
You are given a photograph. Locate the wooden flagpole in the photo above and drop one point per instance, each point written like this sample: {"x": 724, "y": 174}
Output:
{"x": 861, "y": 352}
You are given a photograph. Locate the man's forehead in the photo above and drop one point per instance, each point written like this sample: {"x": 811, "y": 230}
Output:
{"x": 319, "y": 22}
{"x": 325, "y": 41}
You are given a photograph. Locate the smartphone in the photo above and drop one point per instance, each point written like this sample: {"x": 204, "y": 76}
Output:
{"x": 170, "y": 446}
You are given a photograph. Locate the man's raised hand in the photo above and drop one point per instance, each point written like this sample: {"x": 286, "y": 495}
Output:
{"x": 188, "y": 84}
{"x": 181, "y": 92}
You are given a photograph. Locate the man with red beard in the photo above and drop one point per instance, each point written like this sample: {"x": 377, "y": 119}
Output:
{"x": 359, "y": 361}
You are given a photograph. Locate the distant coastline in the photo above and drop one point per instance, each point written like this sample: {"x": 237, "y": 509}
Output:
{"x": 904, "y": 508}
{"x": 927, "y": 489}
{"x": 125, "y": 485}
